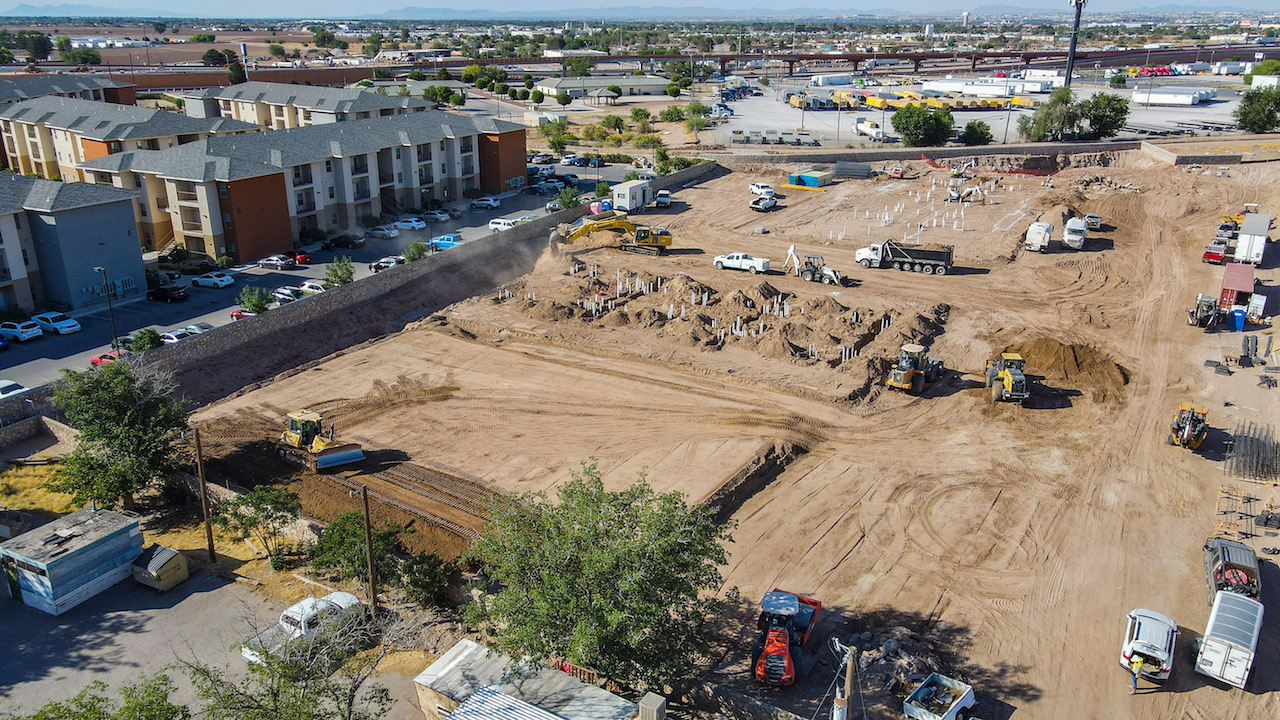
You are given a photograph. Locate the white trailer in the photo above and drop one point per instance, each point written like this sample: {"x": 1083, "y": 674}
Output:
{"x": 1230, "y": 639}
{"x": 825, "y": 80}
{"x": 1038, "y": 236}
{"x": 632, "y": 196}
{"x": 870, "y": 129}
{"x": 1252, "y": 240}
{"x": 1074, "y": 233}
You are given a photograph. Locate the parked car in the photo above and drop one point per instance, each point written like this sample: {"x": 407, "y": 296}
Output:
{"x": 541, "y": 158}
{"x": 1232, "y": 567}
{"x": 453, "y": 212}
{"x": 569, "y": 179}
{"x": 383, "y": 232}
{"x": 9, "y": 388}
{"x": 199, "y": 328}
{"x": 56, "y": 323}
{"x": 20, "y": 331}
{"x": 302, "y": 621}
{"x": 486, "y": 202}
{"x": 555, "y": 183}
{"x": 315, "y": 287}
{"x": 500, "y": 224}
{"x": 579, "y": 161}
{"x": 288, "y": 294}
{"x": 4, "y": 342}
{"x": 301, "y": 257}
{"x": 1150, "y": 636}
{"x": 214, "y": 280}
{"x": 646, "y": 175}
{"x": 168, "y": 293}
{"x": 569, "y": 159}
{"x": 535, "y": 189}
{"x": 761, "y": 189}
{"x": 763, "y": 203}
{"x": 353, "y": 242}
{"x": 108, "y": 357}
{"x": 596, "y": 163}
{"x": 386, "y": 263}
{"x": 241, "y": 313}
{"x": 662, "y": 199}
{"x": 174, "y": 336}
{"x": 435, "y": 216}
{"x": 279, "y": 262}
{"x": 409, "y": 224}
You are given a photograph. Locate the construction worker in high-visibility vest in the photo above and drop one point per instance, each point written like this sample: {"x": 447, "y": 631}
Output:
{"x": 1135, "y": 667}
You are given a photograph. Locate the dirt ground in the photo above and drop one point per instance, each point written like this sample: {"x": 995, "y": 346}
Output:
{"x": 1011, "y": 541}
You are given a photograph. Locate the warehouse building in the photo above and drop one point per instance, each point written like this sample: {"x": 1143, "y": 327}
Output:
{"x": 582, "y": 86}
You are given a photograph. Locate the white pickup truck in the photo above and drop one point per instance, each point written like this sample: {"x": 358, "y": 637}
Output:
{"x": 742, "y": 261}
{"x": 301, "y": 620}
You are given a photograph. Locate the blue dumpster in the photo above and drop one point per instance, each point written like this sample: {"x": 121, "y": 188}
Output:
{"x": 1237, "y": 320}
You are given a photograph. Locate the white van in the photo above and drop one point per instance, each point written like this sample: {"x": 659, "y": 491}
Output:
{"x": 1230, "y": 640}
{"x": 500, "y": 224}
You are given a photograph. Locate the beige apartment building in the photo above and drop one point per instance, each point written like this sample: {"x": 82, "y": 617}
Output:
{"x": 52, "y": 136}
{"x": 280, "y": 106}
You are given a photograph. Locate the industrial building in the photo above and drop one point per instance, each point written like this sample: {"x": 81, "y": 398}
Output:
{"x": 279, "y": 106}
{"x": 250, "y": 196}
{"x": 57, "y": 566}
{"x": 581, "y": 86}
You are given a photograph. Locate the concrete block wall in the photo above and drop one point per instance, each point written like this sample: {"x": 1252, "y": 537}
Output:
{"x": 1166, "y": 155}
{"x": 899, "y": 154}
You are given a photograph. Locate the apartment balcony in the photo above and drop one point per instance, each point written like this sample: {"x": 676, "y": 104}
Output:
{"x": 425, "y": 178}
{"x": 424, "y": 158}
{"x": 162, "y": 203}
{"x": 468, "y": 169}
{"x": 360, "y": 168}
{"x": 186, "y": 197}
{"x": 385, "y": 178}
{"x": 468, "y": 147}
{"x": 361, "y": 194}
{"x": 302, "y": 180}
{"x": 306, "y": 207}
{"x": 194, "y": 226}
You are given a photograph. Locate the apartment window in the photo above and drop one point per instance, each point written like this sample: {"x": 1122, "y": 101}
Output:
{"x": 330, "y": 192}
{"x": 25, "y": 259}
{"x": 142, "y": 210}
{"x": 441, "y": 146}
{"x": 333, "y": 218}
{"x": 300, "y": 199}
{"x": 397, "y": 153}
{"x": 226, "y": 220}
{"x": 146, "y": 237}
{"x": 137, "y": 182}
{"x": 442, "y": 169}
{"x": 328, "y": 167}
{"x": 17, "y": 221}
{"x": 399, "y": 178}
{"x": 222, "y": 190}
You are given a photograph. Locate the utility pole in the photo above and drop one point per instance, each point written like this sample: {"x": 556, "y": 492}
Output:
{"x": 368, "y": 551}
{"x": 1075, "y": 35}
{"x": 204, "y": 499}
{"x": 106, "y": 290}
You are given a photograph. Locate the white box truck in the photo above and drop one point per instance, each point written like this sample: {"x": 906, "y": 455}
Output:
{"x": 632, "y": 196}
{"x": 1230, "y": 639}
{"x": 1038, "y": 236}
{"x": 1074, "y": 233}
{"x": 1251, "y": 242}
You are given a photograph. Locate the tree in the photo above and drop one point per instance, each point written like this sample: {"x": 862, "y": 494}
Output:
{"x": 416, "y": 75}
{"x": 213, "y": 57}
{"x": 514, "y": 94}
{"x": 524, "y": 94}
{"x": 615, "y": 89}
{"x": 673, "y": 90}
{"x": 568, "y": 197}
{"x": 640, "y": 114}
{"x": 537, "y": 98}
{"x": 6, "y": 56}
{"x": 764, "y": 81}
{"x": 341, "y": 547}
{"x": 203, "y": 38}
{"x": 577, "y": 66}
{"x": 976, "y": 133}
{"x": 339, "y": 272}
{"x": 602, "y": 189}
{"x": 236, "y": 74}
{"x": 1266, "y": 67}
{"x": 673, "y": 113}
{"x": 1058, "y": 116}
{"x": 373, "y": 44}
{"x": 62, "y": 43}
{"x": 614, "y": 122}
{"x": 471, "y": 73}
{"x": 557, "y": 144}
{"x": 694, "y": 124}
{"x": 1259, "y": 110}
{"x": 620, "y": 582}
{"x": 145, "y": 339}
{"x": 38, "y": 46}
{"x": 631, "y": 175}
{"x": 923, "y": 127}
{"x": 82, "y": 56}
{"x": 262, "y": 514}
{"x": 1104, "y": 114}
{"x": 563, "y": 99}
{"x": 147, "y": 699}
{"x": 417, "y": 250}
{"x": 1118, "y": 81}
{"x": 159, "y": 27}
{"x": 697, "y": 109}
{"x": 130, "y": 427}
{"x": 254, "y": 299}
{"x": 275, "y": 50}
{"x": 427, "y": 579}
{"x": 443, "y": 74}
{"x": 457, "y": 100}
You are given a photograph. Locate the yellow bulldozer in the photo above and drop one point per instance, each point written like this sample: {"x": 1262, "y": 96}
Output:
{"x": 914, "y": 370}
{"x": 1190, "y": 426}
{"x": 638, "y": 238}
{"x": 305, "y": 442}
{"x": 1006, "y": 379}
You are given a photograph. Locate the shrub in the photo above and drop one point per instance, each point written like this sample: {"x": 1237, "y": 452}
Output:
{"x": 674, "y": 113}
{"x": 225, "y": 262}
{"x": 417, "y": 250}
{"x": 254, "y": 299}
{"x": 602, "y": 189}
{"x": 976, "y": 133}
{"x": 147, "y": 339}
{"x": 427, "y": 579}
{"x": 472, "y": 193}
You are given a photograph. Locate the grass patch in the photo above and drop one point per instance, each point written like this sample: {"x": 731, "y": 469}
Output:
{"x": 20, "y": 489}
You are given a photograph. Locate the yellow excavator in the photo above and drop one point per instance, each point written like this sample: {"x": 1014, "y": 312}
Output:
{"x": 305, "y": 442}
{"x": 1006, "y": 378}
{"x": 639, "y": 238}
{"x": 1190, "y": 426}
{"x": 914, "y": 370}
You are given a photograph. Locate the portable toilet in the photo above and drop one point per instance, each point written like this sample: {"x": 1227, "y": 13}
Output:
{"x": 1237, "y": 320}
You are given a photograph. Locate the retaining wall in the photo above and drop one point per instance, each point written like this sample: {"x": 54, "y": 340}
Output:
{"x": 1165, "y": 155}
{"x": 899, "y": 154}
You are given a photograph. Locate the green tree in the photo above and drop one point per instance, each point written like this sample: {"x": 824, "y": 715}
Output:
{"x": 621, "y": 582}
{"x": 159, "y": 26}
{"x": 322, "y": 37}
{"x": 38, "y": 46}
{"x": 537, "y": 98}
{"x": 1104, "y": 114}
{"x": 147, "y": 699}
{"x": 144, "y": 340}
{"x": 976, "y": 132}
{"x": 275, "y": 50}
{"x": 640, "y": 115}
{"x": 203, "y": 38}
{"x": 339, "y": 272}
{"x": 457, "y": 100}
{"x": 672, "y": 113}
{"x": 471, "y": 73}
{"x": 528, "y": 84}
{"x": 427, "y": 579}
{"x": 524, "y": 94}
{"x": 62, "y": 43}
{"x": 261, "y": 514}
{"x": 342, "y": 548}
{"x": 920, "y": 127}
{"x": 1266, "y": 67}
{"x": 568, "y": 197}
{"x": 82, "y": 56}
{"x": 694, "y": 124}
{"x": 563, "y": 99}
{"x": 416, "y": 75}
{"x": 577, "y": 66}
{"x": 213, "y": 57}
{"x": 615, "y": 89}
{"x": 298, "y": 687}
{"x": 443, "y": 74}
{"x": 1259, "y": 110}
{"x": 254, "y": 299}
{"x": 373, "y": 44}
{"x": 697, "y": 109}
{"x": 673, "y": 90}
{"x": 557, "y": 144}
{"x": 1058, "y": 116}
{"x": 514, "y": 93}
{"x": 6, "y": 56}
{"x": 130, "y": 427}
{"x": 764, "y": 81}
{"x": 602, "y": 189}
{"x": 1119, "y": 81}
{"x": 236, "y": 74}
{"x": 614, "y": 122}
{"x": 417, "y": 250}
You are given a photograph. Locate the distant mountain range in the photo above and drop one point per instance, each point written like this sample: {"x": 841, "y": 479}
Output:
{"x": 68, "y": 10}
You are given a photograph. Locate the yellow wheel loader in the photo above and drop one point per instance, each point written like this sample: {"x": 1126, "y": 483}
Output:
{"x": 1190, "y": 426}
{"x": 914, "y": 370}
{"x": 1006, "y": 379}
{"x": 305, "y": 442}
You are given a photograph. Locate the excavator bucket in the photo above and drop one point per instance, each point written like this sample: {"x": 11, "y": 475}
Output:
{"x": 339, "y": 455}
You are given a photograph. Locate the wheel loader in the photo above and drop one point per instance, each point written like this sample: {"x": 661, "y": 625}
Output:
{"x": 1190, "y": 426}
{"x": 1204, "y": 313}
{"x": 305, "y": 442}
{"x": 914, "y": 370}
{"x": 1006, "y": 379}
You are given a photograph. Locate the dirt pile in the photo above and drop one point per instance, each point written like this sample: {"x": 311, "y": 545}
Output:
{"x": 1080, "y": 367}
{"x": 1100, "y": 185}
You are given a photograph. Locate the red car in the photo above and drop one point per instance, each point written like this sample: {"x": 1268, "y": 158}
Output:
{"x": 299, "y": 256}
{"x": 107, "y": 357}
{"x": 241, "y": 314}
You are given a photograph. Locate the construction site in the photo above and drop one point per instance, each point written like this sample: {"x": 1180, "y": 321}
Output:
{"x": 998, "y": 543}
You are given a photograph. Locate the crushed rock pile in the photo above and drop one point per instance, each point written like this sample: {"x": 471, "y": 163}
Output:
{"x": 1099, "y": 185}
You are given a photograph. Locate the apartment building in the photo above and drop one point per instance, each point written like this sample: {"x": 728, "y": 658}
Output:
{"x": 53, "y": 235}
{"x": 281, "y": 106}
{"x": 51, "y": 136}
{"x": 248, "y": 196}
{"x": 17, "y": 88}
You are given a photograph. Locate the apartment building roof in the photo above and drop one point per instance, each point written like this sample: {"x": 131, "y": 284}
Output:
{"x": 237, "y": 157}
{"x": 109, "y": 121}
{"x": 312, "y": 97}
{"x": 20, "y": 192}
{"x": 25, "y": 87}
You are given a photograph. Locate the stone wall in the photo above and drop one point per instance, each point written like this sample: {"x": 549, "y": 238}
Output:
{"x": 1165, "y": 154}
{"x": 900, "y": 154}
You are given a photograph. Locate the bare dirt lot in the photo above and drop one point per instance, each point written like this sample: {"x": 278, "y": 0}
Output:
{"x": 1008, "y": 542}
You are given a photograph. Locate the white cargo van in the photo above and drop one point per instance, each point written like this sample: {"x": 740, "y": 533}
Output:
{"x": 1226, "y": 651}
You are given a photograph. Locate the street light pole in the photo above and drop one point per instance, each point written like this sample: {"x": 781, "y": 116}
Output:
{"x": 1075, "y": 35}
{"x": 106, "y": 289}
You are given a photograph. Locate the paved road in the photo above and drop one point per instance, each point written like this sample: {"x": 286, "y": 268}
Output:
{"x": 41, "y": 360}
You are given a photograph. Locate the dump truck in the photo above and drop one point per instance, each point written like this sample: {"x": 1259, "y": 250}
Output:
{"x": 1226, "y": 650}
{"x": 1189, "y": 427}
{"x": 301, "y": 621}
{"x": 1038, "y": 236}
{"x": 785, "y": 623}
{"x": 939, "y": 698}
{"x": 305, "y": 442}
{"x": 1074, "y": 233}
{"x": 932, "y": 259}
{"x": 1006, "y": 378}
{"x": 638, "y": 238}
{"x": 914, "y": 370}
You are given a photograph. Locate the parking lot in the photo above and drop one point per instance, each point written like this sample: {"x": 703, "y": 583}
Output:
{"x": 41, "y": 360}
